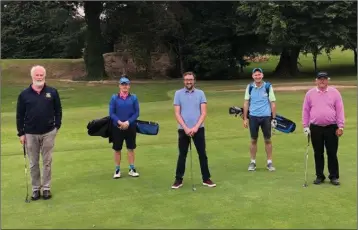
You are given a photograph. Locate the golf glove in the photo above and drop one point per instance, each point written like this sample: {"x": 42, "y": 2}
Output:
{"x": 306, "y": 131}
{"x": 274, "y": 123}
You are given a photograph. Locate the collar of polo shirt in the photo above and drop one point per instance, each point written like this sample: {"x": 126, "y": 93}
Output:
{"x": 318, "y": 90}
{"x": 189, "y": 91}
{"x": 260, "y": 85}
{"x": 41, "y": 90}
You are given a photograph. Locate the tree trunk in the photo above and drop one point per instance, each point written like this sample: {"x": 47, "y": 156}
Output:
{"x": 315, "y": 62}
{"x": 125, "y": 58}
{"x": 287, "y": 66}
{"x": 148, "y": 64}
{"x": 355, "y": 57}
{"x": 181, "y": 61}
{"x": 94, "y": 42}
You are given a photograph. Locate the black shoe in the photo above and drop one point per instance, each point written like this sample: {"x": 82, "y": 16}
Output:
{"x": 47, "y": 194}
{"x": 36, "y": 195}
{"x": 177, "y": 184}
{"x": 335, "y": 181}
{"x": 319, "y": 180}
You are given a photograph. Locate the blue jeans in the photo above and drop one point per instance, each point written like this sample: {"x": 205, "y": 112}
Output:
{"x": 256, "y": 122}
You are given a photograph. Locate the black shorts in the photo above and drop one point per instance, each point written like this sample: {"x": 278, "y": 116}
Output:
{"x": 256, "y": 122}
{"x": 129, "y": 135}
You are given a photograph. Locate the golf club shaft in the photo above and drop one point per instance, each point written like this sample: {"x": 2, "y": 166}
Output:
{"x": 191, "y": 164}
{"x": 26, "y": 177}
{"x": 308, "y": 144}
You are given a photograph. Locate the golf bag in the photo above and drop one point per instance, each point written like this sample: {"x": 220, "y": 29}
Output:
{"x": 147, "y": 127}
{"x": 103, "y": 127}
{"x": 283, "y": 124}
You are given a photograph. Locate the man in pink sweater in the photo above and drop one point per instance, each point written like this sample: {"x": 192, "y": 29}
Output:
{"x": 323, "y": 120}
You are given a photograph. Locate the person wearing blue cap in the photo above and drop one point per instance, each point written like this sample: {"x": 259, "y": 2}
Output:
{"x": 124, "y": 110}
{"x": 260, "y": 104}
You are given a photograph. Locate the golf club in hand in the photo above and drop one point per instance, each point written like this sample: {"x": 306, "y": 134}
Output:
{"x": 27, "y": 200}
{"x": 308, "y": 144}
{"x": 191, "y": 166}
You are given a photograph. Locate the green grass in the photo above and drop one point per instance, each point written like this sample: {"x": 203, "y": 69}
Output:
{"x": 86, "y": 195}
{"x": 340, "y": 65}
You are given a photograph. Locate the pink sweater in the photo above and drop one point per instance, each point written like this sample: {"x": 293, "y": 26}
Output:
{"x": 323, "y": 108}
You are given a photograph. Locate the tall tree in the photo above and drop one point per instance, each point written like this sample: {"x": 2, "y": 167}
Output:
{"x": 210, "y": 43}
{"x": 178, "y": 19}
{"x": 290, "y": 26}
{"x": 40, "y": 30}
{"x": 94, "y": 45}
{"x": 349, "y": 41}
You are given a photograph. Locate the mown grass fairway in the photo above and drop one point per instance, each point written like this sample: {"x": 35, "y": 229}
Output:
{"x": 86, "y": 196}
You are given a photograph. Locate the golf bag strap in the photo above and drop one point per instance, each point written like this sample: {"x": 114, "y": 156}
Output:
{"x": 267, "y": 86}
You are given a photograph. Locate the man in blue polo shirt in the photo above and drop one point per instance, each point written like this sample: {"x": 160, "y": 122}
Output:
{"x": 38, "y": 119}
{"x": 262, "y": 114}
{"x": 190, "y": 112}
{"x": 124, "y": 110}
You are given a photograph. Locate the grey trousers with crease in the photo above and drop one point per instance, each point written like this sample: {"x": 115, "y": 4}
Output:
{"x": 44, "y": 144}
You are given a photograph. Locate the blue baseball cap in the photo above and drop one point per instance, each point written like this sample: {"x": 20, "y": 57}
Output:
{"x": 257, "y": 69}
{"x": 124, "y": 80}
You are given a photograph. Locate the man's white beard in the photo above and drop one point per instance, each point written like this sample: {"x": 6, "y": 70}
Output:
{"x": 39, "y": 83}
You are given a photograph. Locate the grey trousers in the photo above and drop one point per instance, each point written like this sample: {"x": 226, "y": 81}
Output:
{"x": 35, "y": 144}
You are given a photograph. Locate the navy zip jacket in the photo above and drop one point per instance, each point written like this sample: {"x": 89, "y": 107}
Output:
{"x": 38, "y": 113}
{"x": 124, "y": 109}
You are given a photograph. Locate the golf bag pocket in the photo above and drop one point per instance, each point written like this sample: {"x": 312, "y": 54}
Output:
{"x": 147, "y": 127}
{"x": 285, "y": 125}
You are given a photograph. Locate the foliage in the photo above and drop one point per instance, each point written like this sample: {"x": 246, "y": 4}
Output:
{"x": 295, "y": 25}
{"x": 94, "y": 41}
{"x": 210, "y": 38}
{"x": 40, "y": 30}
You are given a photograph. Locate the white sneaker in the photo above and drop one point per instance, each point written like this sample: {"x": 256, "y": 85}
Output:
{"x": 252, "y": 166}
{"x": 133, "y": 173}
{"x": 270, "y": 167}
{"x": 117, "y": 174}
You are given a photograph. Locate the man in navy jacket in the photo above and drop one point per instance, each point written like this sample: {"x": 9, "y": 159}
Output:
{"x": 38, "y": 119}
{"x": 124, "y": 110}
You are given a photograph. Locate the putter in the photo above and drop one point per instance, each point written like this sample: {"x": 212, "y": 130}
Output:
{"x": 26, "y": 177}
{"x": 191, "y": 166}
{"x": 308, "y": 144}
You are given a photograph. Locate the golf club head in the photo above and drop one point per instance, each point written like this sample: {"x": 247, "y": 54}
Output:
{"x": 234, "y": 110}
{"x": 27, "y": 200}
{"x": 194, "y": 189}
{"x": 305, "y": 185}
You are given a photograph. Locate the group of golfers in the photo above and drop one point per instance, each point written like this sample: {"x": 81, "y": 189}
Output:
{"x": 39, "y": 116}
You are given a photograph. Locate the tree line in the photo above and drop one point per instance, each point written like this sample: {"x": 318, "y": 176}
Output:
{"x": 210, "y": 38}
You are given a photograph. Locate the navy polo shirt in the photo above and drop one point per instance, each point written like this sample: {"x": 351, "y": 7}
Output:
{"x": 38, "y": 113}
